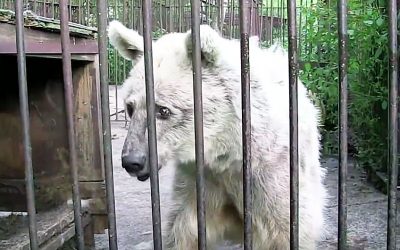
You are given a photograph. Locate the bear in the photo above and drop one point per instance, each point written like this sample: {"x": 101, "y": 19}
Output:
{"x": 222, "y": 128}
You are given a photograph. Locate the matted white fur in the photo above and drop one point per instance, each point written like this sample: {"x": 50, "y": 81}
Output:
{"x": 173, "y": 81}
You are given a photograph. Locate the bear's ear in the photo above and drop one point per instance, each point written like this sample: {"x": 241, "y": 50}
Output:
{"x": 127, "y": 41}
{"x": 210, "y": 42}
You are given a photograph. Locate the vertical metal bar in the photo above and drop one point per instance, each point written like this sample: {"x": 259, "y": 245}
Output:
{"x": 34, "y": 6}
{"x": 393, "y": 126}
{"x": 293, "y": 114}
{"x": 132, "y": 10}
{"x": 116, "y": 72}
{"x": 69, "y": 6}
{"x": 87, "y": 13}
{"x": 169, "y": 15}
{"x": 151, "y": 122}
{"x": 231, "y": 17}
{"x": 261, "y": 18}
{"x": 24, "y": 109}
{"x": 69, "y": 105}
{"x": 161, "y": 16}
{"x": 308, "y": 46}
{"x": 282, "y": 20}
{"x": 181, "y": 11}
{"x": 102, "y": 11}
{"x": 198, "y": 120}
{"x": 246, "y": 120}
{"x": 343, "y": 59}
{"x": 53, "y": 9}
{"x": 300, "y": 27}
{"x": 271, "y": 23}
{"x": 80, "y": 20}
{"x": 251, "y": 17}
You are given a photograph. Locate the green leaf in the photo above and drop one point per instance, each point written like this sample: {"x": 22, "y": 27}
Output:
{"x": 368, "y": 22}
{"x": 384, "y": 105}
{"x": 307, "y": 66}
{"x": 379, "y": 21}
{"x": 378, "y": 52}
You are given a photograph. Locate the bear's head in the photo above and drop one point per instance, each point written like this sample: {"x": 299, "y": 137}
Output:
{"x": 173, "y": 93}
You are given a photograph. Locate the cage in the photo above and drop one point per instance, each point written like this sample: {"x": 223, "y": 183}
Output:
{"x": 48, "y": 126}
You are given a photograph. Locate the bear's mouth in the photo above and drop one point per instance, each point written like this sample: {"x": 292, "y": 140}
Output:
{"x": 145, "y": 176}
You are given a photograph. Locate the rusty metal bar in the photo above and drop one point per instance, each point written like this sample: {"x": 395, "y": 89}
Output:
{"x": 343, "y": 60}
{"x": 271, "y": 22}
{"x": 116, "y": 72}
{"x": 246, "y": 121}
{"x": 151, "y": 122}
{"x": 69, "y": 105}
{"x": 393, "y": 125}
{"x": 198, "y": 120}
{"x": 24, "y": 109}
{"x": 293, "y": 115}
{"x": 35, "y": 6}
{"x": 102, "y": 11}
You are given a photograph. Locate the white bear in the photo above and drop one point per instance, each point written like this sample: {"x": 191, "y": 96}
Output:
{"x": 173, "y": 81}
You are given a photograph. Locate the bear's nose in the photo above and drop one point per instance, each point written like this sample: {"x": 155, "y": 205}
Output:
{"x": 133, "y": 162}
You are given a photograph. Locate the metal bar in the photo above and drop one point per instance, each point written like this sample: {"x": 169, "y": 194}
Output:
{"x": 299, "y": 30}
{"x": 231, "y": 17}
{"x": 24, "y": 109}
{"x": 69, "y": 6}
{"x": 343, "y": 60}
{"x": 102, "y": 11}
{"x": 261, "y": 20}
{"x": 198, "y": 122}
{"x": 246, "y": 120}
{"x": 181, "y": 11}
{"x": 116, "y": 62}
{"x": 293, "y": 114}
{"x": 80, "y": 15}
{"x": 116, "y": 66}
{"x": 271, "y": 23}
{"x": 393, "y": 126}
{"x": 282, "y": 17}
{"x": 69, "y": 105}
{"x": 151, "y": 122}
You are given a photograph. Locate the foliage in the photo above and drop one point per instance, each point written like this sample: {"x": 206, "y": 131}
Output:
{"x": 367, "y": 75}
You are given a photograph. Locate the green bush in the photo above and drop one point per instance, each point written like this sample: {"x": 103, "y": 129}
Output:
{"x": 367, "y": 76}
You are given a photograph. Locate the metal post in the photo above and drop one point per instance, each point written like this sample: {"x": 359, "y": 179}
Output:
{"x": 151, "y": 122}
{"x": 24, "y": 109}
{"x": 69, "y": 104}
{"x": 293, "y": 114}
{"x": 246, "y": 121}
{"x": 198, "y": 120}
{"x": 102, "y": 11}
{"x": 393, "y": 126}
{"x": 343, "y": 59}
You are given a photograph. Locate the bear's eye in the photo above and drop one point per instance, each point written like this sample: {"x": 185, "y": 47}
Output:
{"x": 129, "y": 109}
{"x": 164, "y": 113}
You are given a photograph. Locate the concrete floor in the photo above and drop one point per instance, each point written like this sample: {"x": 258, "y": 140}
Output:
{"x": 367, "y": 208}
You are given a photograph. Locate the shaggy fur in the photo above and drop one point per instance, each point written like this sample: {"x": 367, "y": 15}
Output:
{"x": 222, "y": 138}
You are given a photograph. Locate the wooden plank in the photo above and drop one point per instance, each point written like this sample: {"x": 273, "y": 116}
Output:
{"x": 43, "y": 42}
{"x": 90, "y": 168}
{"x": 52, "y": 225}
{"x": 48, "y": 24}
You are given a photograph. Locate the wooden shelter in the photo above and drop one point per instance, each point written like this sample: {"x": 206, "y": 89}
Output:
{"x": 49, "y": 138}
